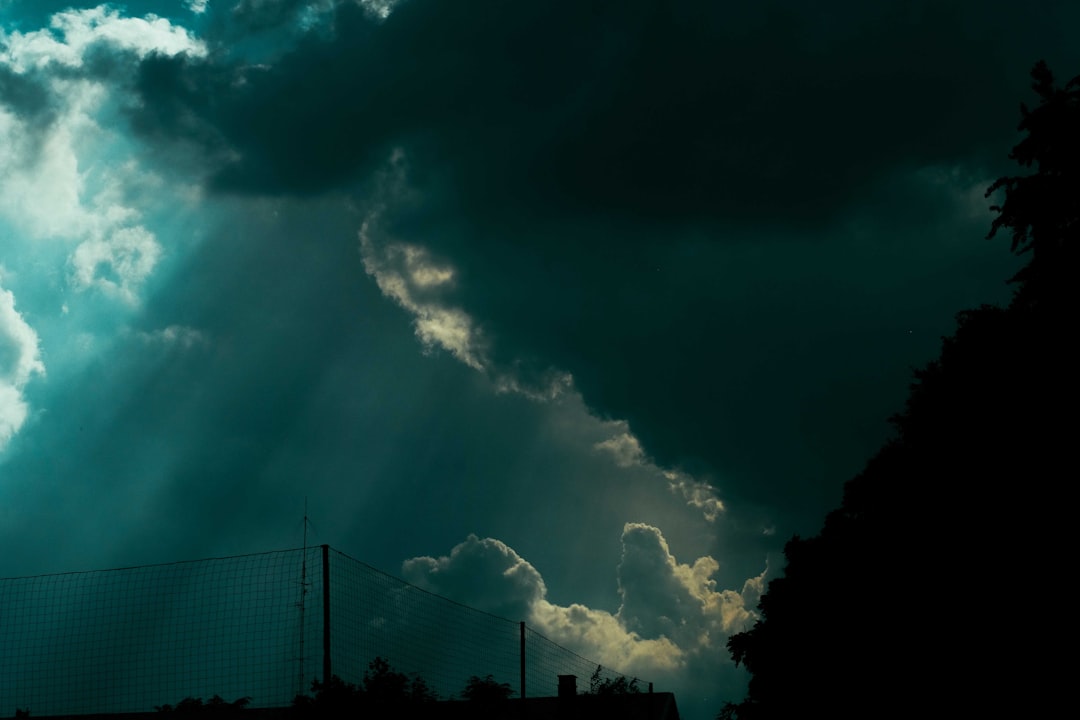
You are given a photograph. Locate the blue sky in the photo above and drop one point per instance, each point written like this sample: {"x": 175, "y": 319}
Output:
{"x": 574, "y": 311}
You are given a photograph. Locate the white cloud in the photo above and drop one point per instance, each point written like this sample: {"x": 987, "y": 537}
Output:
{"x": 40, "y": 182}
{"x": 551, "y": 385}
{"x": 72, "y": 32}
{"x": 402, "y": 272}
{"x": 626, "y": 451}
{"x": 116, "y": 263}
{"x": 484, "y": 573}
{"x": 197, "y": 6}
{"x": 662, "y": 597}
{"x": 671, "y": 613}
{"x": 624, "y": 448}
{"x": 20, "y": 360}
{"x": 378, "y": 8}
{"x": 180, "y": 336}
{"x": 46, "y": 168}
{"x": 407, "y": 274}
{"x": 600, "y": 636}
{"x": 696, "y": 493}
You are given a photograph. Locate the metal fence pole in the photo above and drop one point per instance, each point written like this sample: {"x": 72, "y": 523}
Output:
{"x": 326, "y": 613}
{"x": 522, "y": 659}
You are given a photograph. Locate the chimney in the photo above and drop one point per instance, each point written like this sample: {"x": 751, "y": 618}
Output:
{"x": 567, "y": 686}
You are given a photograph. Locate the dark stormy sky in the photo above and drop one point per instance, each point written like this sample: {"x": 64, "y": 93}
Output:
{"x": 573, "y": 311}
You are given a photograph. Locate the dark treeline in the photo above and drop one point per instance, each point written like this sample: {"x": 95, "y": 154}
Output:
{"x": 385, "y": 692}
{"x": 939, "y": 587}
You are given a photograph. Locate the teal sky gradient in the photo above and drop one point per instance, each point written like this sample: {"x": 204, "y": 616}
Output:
{"x": 621, "y": 293}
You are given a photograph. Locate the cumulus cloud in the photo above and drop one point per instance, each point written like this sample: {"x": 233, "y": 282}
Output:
{"x": 55, "y": 146}
{"x": 599, "y": 635}
{"x": 670, "y": 612}
{"x": 72, "y": 33}
{"x": 20, "y": 360}
{"x": 664, "y": 598}
{"x": 72, "y": 196}
{"x": 117, "y": 263}
{"x": 40, "y": 179}
{"x": 484, "y": 573}
{"x": 624, "y": 448}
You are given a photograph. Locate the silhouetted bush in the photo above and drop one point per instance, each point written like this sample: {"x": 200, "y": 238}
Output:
{"x": 194, "y": 705}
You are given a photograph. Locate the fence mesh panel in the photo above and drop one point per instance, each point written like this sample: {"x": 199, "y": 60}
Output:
{"x": 545, "y": 661}
{"x": 134, "y": 639}
{"x": 374, "y": 614}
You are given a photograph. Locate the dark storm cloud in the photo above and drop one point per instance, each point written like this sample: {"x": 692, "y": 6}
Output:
{"x": 26, "y": 97}
{"x": 676, "y": 109}
{"x": 711, "y": 214}
{"x": 172, "y": 107}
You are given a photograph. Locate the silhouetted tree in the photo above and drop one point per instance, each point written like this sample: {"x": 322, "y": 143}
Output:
{"x": 420, "y": 691}
{"x": 1041, "y": 209}
{"x": 611, "y": 686}
{"x": 929, "y": 590}
{"x": 486, "y": 689}
{"x": 486, "y": 697}
{"x": 332, "y": 699}
{"x": 382, "y": 682}
{"x": 384, "y": 692}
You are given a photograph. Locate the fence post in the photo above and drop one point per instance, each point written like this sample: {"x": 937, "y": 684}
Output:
{"x": 522, "y": 659}
{"x": 326, "y": 613}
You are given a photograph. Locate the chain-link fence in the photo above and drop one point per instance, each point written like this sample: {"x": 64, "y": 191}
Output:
{"x": 262, "y": 626}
